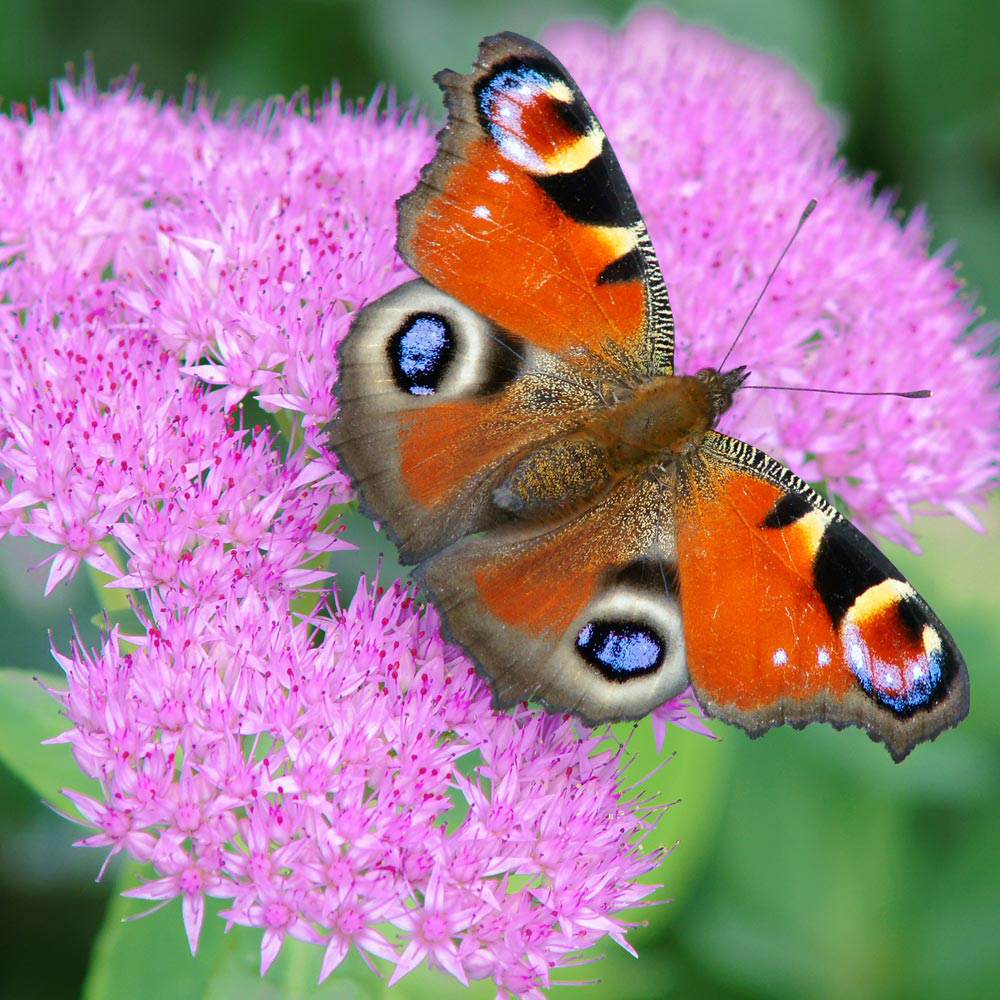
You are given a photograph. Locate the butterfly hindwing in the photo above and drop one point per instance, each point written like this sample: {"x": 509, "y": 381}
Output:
{"x": 792, "y": 615}
{"x": 525, "y": 215}
{"x": 582, "y": 615}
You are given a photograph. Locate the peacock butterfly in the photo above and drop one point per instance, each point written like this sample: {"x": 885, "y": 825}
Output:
{"x": 590, "y": 539}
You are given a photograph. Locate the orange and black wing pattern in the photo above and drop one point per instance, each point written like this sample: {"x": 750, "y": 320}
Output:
{"x": 526, "y": 217}
{"x": 581, "y": 614}
{"x": 791, "y": 615}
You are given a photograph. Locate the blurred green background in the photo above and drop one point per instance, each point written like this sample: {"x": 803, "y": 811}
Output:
{"x": 808, "y": 865}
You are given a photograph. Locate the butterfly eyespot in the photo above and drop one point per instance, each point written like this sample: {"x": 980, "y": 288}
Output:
{"x": 621, "y": 649}
{"x": 502, "y": 99}
{"x": 420, "y": 352}
{"x": 902, "y": 686}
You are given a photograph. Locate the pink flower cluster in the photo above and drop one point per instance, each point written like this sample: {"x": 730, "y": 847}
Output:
{"x": 322, "y": 778}
{"x": 337, "y": 774}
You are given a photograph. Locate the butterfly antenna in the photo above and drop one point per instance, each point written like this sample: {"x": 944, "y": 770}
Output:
{"x": 913, "y": 394}
{"x": 805, "y": 215}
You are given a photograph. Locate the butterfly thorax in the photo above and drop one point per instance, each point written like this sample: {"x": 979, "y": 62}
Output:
{"x": 666, "y": 415}
{"x": 638, "y": 429}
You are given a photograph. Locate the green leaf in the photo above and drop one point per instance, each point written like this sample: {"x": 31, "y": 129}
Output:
{"x": 149, "y": 957}
{"x": 28, "y": 716}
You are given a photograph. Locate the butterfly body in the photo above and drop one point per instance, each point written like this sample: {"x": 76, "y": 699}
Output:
{"x": 668, "y": 416}
{"x": 513, "y": 418}
{"x": 639, "y": 431}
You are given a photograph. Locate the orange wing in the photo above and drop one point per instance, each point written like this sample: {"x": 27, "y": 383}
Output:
{"x": 526, "y": 217}
{"x": 541, "y": 288}
{"x": 583, "y": 615}
{"x": 792, "y": 615}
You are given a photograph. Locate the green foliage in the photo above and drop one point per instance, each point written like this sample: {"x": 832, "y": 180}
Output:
{"x": 149, "y": 957}
{"x": 29, "y": 715}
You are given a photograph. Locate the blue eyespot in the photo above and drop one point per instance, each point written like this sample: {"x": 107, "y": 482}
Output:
{"x": 620, "y": 649}
{"x": 505, "y": 92}
{"x": 420, "y": 352}
{"x": 902, "y": 687}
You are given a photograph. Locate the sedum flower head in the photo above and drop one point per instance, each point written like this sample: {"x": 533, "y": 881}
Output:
{"x": 322, "y": 779}
{"x": 333, "y": 771}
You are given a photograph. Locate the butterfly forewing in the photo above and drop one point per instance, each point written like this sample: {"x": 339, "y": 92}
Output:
{"x": 792, "y": 615}
{"x": 525, "y": 215}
